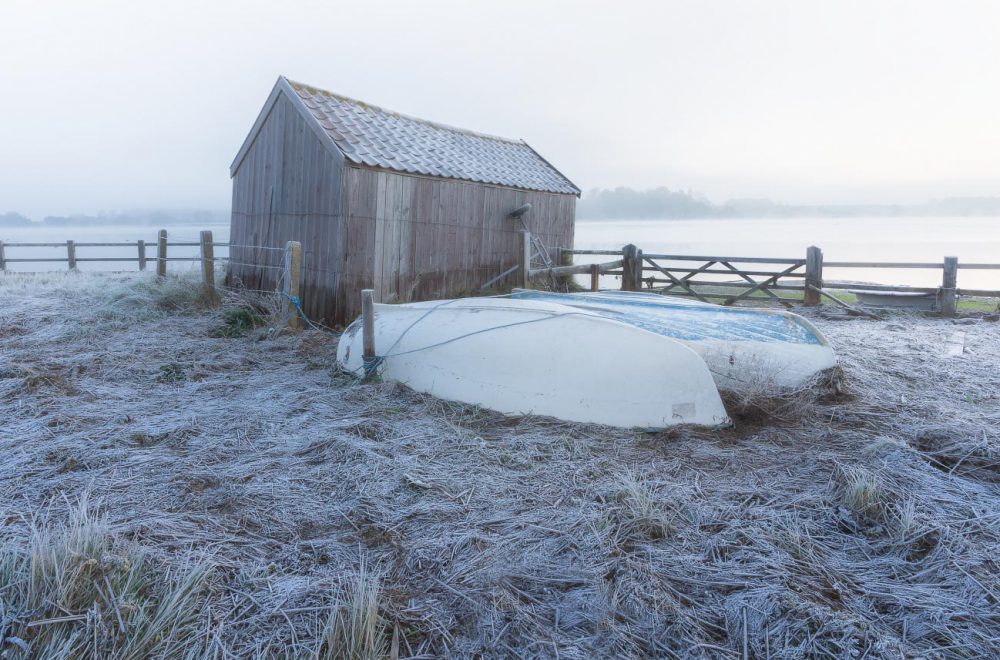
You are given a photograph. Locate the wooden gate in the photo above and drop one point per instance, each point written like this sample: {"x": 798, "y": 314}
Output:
{"x": 681, "y": 279}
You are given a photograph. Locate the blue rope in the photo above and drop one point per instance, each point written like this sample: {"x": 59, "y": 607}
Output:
{"x": 477, "y": 332}
{"x": 371, "y": 365}
{"x": 421, "y": 318}
{"x": 298, "y": 306}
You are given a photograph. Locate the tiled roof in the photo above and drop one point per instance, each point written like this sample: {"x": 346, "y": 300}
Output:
{"x": 376, "y": 137}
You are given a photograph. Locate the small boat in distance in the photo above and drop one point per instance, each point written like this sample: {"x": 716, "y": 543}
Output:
{"x": 536, "y": 357}
{"x": 740, "y": 345}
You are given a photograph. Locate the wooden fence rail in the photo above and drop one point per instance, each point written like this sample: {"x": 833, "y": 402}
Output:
{"x": 757, "y": 275}
{"x": 206, "y": 255}
{"x": 582, "y": 269}
{"x": 71, "y": 259}
{"x": 290, "y": 279}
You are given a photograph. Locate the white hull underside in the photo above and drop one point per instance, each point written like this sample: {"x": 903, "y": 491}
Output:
{"x": 534, "y": 357}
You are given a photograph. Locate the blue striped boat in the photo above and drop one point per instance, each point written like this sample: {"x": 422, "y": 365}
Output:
{"x": 741, "y": 346}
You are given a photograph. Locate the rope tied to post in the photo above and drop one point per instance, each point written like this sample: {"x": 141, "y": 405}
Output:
{"x": 371, "y": 365}
{"x": 294, "y": 300}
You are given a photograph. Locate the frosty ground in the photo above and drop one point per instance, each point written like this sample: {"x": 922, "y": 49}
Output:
{"x": 174, "y": 481}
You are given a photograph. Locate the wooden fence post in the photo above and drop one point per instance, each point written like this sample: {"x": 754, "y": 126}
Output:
{"x": 208, "y": 264}
{"x": 628, "y": 253}
{"x": 595, "y": 277}
{"x": 368, "y": 330}
{"x": 524, "y": 260}
{"x": 949, "y": 285}
{"x": 161, "y": 253}
{"x": 631, "y": 268}
{"x": 3, "y": 259}
{"x": 71, "y": 254}
{"x": 292, "y": 280}
{"x": 142, "y": 254}
{"x": 814, "y": 275}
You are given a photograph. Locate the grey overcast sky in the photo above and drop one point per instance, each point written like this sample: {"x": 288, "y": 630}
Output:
{"x": 123, "y": 104}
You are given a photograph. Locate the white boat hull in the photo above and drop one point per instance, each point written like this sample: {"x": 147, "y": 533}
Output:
{"x": 533, "y": 357}
{"x": 741, "y": 346}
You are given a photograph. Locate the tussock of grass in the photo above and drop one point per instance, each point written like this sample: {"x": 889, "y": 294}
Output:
{"x": 904, "y": 520}
{"x": 356, "y": 629}
{"x": 863, "y": 494}
{"x": 756, "y": 399}
{"x": 640, "y": 512}
{"x": 76, "y": 590}
{"x": 239, "y": 322}
{"x": 244, "y": 312}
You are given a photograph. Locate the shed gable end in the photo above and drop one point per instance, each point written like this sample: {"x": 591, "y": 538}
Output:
{"x": 287, "y": 187}
{"x": 283, "y": 91}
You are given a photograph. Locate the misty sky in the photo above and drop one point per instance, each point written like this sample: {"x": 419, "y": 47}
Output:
{"x": 112, "y": 105}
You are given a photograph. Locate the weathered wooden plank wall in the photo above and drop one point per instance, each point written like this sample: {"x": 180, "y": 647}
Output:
{"x": 287, "y": 189}
{"x": 419, "y": 238}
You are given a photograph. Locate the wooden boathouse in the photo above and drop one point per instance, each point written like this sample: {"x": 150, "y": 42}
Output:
{"x": 410, "y": 208}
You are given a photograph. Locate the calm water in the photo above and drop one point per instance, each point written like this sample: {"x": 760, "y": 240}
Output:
{"x": 924, "y": 239}
{"x": 972, "y": 240}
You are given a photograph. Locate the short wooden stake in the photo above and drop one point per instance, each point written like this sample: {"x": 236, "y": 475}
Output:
{"x": 142, "y": 254}
{"x": 368, "y": 330}
{"x": 3, "y": 259}
{"x": 595, "y": 277}
{"x": 814, "y": 276}
{"x": 161, "y": 253}
{"x": 949, "y": 287}
{"x": 71, "y": 254}
{"x": 524, "y": 263}
{"x": 293, "y": 279}
{"x": 208, "y": 264}
{"x": 627, "y": 256}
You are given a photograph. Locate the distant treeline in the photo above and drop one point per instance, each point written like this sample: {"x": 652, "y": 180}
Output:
{"x": 610, "y": 204}
{"x": 627, "y": 203}
{"x": 154, "y": 217}
{"x": 11, "y": 219}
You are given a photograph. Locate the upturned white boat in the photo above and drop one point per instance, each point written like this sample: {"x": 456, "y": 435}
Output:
{"x": 740, "y": 345}
{"x": 537, "y": 357}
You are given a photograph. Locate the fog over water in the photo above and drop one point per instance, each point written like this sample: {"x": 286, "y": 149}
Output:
{"x": 116, "y": 104}
{"x": 906, "y": 239}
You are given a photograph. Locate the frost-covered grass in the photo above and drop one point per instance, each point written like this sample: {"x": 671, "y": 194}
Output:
{"x": 76, "y": 588}
{"x": 177, "y": 479}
